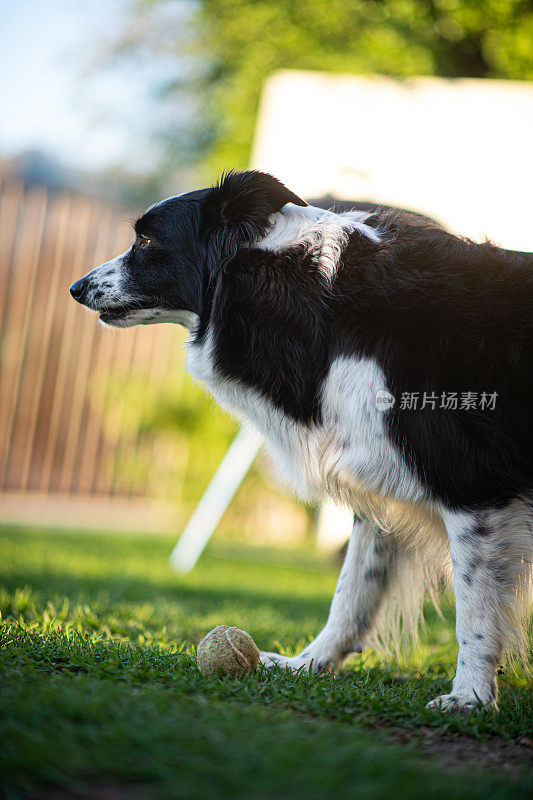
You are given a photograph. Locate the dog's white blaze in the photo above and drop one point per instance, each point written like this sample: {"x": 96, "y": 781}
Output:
{"x": 324, "y": 232}
{"x": 111, "y": 271}
{"x": 107, "y": 279}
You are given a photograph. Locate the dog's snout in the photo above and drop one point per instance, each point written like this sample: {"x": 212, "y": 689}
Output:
{"x": 78, "y": 290}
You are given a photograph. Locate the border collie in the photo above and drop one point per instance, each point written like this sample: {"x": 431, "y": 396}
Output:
{"x": 387, "y": 364}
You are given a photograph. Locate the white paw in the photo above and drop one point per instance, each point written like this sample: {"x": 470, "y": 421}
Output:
{"x": 459, "y": 704}
{"x": 294, "y": 663}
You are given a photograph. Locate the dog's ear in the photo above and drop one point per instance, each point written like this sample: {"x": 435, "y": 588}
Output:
{"x": 238, "y": 209}
{"x": 236, "y": 212}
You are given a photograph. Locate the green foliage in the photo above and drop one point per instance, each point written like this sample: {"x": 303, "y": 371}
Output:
{"x": 99, "y": 681}
{"x": 173, "y": 438}
{"x": 234, "y": 45}
{"x": 176, "y": 435}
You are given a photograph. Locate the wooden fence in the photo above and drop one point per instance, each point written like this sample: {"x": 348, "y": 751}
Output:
{"x": 53, "y": 440}
{"x": 73, "y": 449}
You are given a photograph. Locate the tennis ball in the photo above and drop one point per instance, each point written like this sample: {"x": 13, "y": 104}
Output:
{"x": 227, "y": 650}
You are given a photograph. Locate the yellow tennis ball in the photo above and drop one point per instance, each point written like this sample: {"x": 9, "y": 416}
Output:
{"x": 227, "y": 650}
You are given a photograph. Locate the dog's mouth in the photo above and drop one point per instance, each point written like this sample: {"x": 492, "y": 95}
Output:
{"x": 114, "y": 314}
{"x": 125, "y": 316}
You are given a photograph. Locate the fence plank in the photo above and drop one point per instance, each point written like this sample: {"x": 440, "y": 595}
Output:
{"x": 10, "y": 206}
{"x": 81, "y": 363}
{"x": 15, "y": 337}
{"x": 63, "y": 378}
{"x": 50, "y": 304}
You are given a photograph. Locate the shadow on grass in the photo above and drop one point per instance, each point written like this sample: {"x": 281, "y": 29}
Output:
{"x": 200, "y": 599}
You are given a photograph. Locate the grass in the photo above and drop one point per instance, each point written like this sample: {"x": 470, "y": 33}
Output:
{"x": 99, "y": 683}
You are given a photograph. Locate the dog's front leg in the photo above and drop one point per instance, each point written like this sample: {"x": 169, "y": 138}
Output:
{"x": 479, "y": 600}
{"x": 360, "y": 590}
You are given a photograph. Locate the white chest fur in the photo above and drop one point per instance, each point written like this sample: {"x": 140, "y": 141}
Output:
{"x": 348, "y": 455}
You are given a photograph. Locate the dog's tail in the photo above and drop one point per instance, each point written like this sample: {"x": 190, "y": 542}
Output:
{"x": 422, "y": 567}
{"x": 417, "y": 572}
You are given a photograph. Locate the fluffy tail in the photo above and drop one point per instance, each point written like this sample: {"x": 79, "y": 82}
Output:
{"x": 422, "y": 566}
{"x": 415, "y": 575}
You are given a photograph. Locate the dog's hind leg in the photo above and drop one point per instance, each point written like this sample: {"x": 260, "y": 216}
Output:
{"x": 360, "y": 590}
{"x": 491, "y": 561}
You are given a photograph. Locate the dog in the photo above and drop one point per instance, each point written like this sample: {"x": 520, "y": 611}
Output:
{"x": 387, "y": 364}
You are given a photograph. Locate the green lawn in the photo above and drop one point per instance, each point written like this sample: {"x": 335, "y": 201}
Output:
{"x": 99, "y": 684}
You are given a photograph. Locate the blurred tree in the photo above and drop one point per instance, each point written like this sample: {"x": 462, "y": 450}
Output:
{"x": 226, "y": 48}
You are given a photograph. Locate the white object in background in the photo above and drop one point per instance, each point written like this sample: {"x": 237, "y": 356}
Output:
{"x": 334, "y": 525}
{"x": 216, "y": 499}
{"x": 456, "y": 149}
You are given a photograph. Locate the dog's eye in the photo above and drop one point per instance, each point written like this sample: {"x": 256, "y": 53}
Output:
{"x": 142, "y": 241}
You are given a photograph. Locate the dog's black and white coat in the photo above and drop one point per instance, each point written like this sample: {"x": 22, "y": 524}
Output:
{"x": 300, "y": 320}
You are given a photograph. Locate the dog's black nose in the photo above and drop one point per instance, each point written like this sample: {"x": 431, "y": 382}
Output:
{"x": 78, "y": 289}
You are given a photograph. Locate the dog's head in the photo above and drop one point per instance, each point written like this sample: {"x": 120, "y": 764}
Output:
{"x": 180, "y": 247}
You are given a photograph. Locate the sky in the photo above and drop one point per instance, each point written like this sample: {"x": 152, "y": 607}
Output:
{"x": 53, "y": 101}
